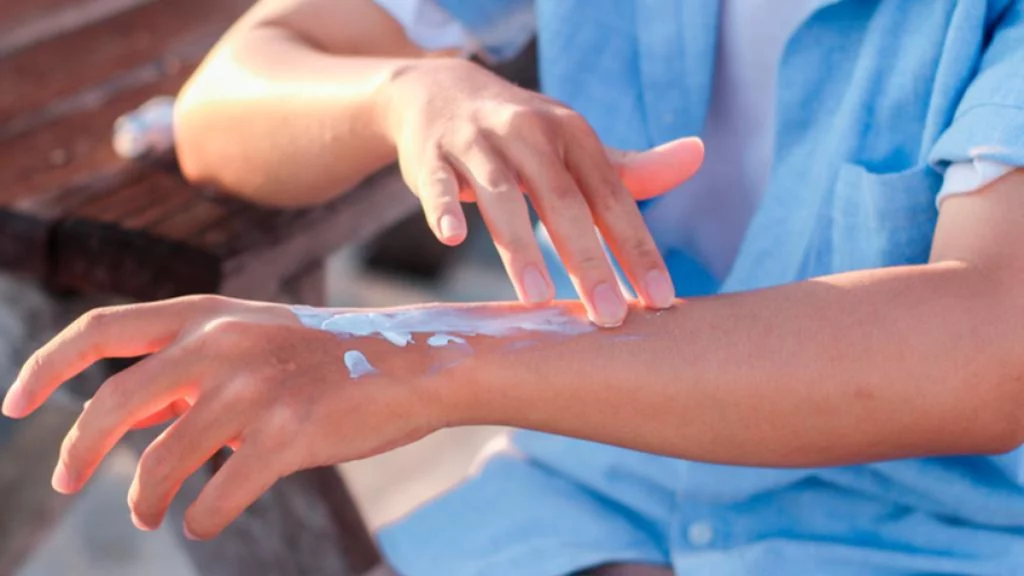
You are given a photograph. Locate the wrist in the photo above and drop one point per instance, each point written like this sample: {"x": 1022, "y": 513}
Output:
{"x": 388, "y": 103}
{"x": 463, "y": 393}
{"x": 440, "y": 393}
{"x": 405, "y": 85}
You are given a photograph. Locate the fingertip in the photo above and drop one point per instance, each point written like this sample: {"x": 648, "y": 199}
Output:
{"x": 658, "y": 289}
{"x": 11, "y": 407}
{"x": 605, "y": 323}
{"x": 62, "y": 481}
{"x": 536, "y": 288}
{"x": 698, "y": 149}
{"x": 608, "y": 307}
{"x": 140, "y": 524}
{"x": 451, "y": 229}
{"x": 653, "y": 172}
{"x": 196, "y": 528}
{"x": 689, "y": 151}
{"x": 694, "y": 142}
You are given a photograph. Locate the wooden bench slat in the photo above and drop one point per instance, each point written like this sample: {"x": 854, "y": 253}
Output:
{"x": 303, "y": 238}
{"x": 106, "y": 259}
{"x": 165, "y": 194}
{"x": 156, "y": 32}
{"x": 244, "y": 228}
{"x": 117, "y": 203}
{"x": 162, "y": 205}
{"x": 24, "y": 23}
{"x": 72, "y": 151}
{"x": 47, "y": 172}
{"x": 184, "y": 225}
{"x": 246, "y": 253}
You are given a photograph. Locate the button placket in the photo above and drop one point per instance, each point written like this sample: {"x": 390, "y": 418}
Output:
{"x": 700, "y": 534}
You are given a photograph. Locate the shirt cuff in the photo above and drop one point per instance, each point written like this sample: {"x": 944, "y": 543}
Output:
{"x": 967, "y": 177}
{"x": 430, "y": 26}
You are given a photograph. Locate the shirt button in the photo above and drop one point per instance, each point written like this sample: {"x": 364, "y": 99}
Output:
{"x": 700, "y": 534}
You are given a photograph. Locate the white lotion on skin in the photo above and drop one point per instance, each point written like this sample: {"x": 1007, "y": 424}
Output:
{"x": 357, "y": 364}
{"x": 443, "y": 324}
{"x": 438, "y": 340}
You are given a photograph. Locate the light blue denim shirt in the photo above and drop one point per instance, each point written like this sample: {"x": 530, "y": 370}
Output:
{"x": 875, "y": 99}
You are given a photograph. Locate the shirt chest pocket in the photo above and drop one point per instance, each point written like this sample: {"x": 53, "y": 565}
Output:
{"x": 882, "y": 219}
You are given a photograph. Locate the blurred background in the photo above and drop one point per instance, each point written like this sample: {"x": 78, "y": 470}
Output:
{"x": 90, "y": 217}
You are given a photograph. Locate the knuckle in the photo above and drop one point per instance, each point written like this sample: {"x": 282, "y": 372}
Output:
{"x": 512, "y": 242}
{"x": 282, "y": 424}
{"x": 536, "y": 127}
{"x": 495, "y": 181}
{"x": 211, "y": 302}
{"x": 574, "y": 122}
{"x": 564, "y": 191}
{"x": 520, "y": 119}
{"x": 438, "y": 182}
{"x": 462, "y": 139}
{"x": 606, "y": 197}
{"x": 242, "y": 392}
{"x": 155, "y": 465}
{"x": 96, "y": 319}
{"x": 592, "y": 265}
{"x": 113, "y": 394}
{"x": 641, "y": 251}
{"x": 225, "y": 332}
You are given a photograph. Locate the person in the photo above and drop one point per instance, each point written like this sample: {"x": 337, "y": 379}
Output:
{"x": 836, "y": 391}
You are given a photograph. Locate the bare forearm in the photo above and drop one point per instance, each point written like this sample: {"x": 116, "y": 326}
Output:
{"x": 276, "y": 118}
{"x": 856, "y": 367}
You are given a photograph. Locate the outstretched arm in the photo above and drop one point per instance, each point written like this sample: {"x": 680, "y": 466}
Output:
{"x": 877, "y": 364}
{"x": 868, "y": 365}
{"x": 855, "y": 367}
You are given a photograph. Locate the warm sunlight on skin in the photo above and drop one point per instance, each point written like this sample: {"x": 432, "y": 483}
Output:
{"x": 249, "y": 376}
{"x": 265, "y": 117}
{"x": 824, "y": 372}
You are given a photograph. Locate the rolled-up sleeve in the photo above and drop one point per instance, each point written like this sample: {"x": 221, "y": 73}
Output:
{"x": 989, "y": 121}
{"x": 502, "y": 27}
{"x": 428, "y": 25}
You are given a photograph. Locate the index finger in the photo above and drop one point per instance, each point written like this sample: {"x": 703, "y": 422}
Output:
{"x": 113, "y": 332}
{"x": 618, "y": 217}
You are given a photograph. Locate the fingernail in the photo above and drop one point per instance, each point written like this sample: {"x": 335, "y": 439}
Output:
{"x": 659, "y": 289}
{"x": 609, "y": 306}
{"x": 12, "y": 407}
{"x": 190, "y": 535}
{"x": 451, "y": 227}
{"x": 61, "y": 480}
{"x": 535, "y": 287}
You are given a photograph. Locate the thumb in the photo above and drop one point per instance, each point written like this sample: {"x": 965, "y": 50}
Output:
{"x": 657, "y": 170}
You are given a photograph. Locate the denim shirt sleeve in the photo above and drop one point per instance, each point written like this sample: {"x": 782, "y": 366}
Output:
{"x": 989, "y": 121}
{"x": 502, "y": 27}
